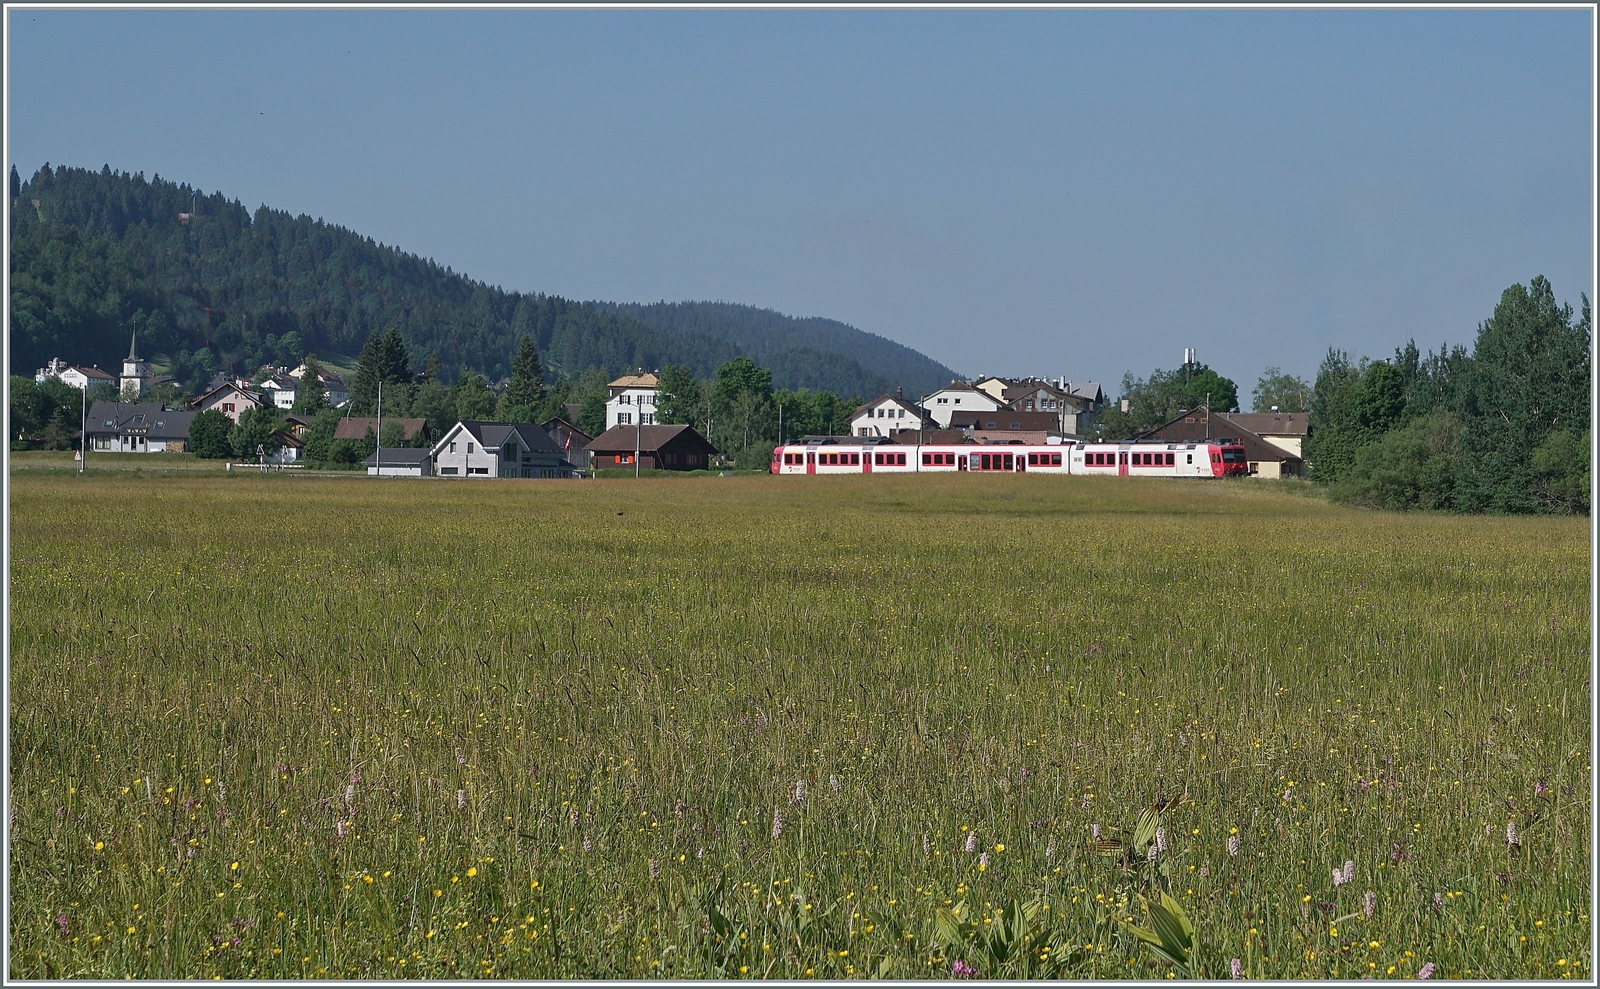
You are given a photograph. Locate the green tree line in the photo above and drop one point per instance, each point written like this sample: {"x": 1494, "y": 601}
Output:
{"x": 1501, "y": 428}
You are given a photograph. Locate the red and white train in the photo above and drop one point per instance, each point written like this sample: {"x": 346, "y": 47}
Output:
{"x": 842, "y": 455}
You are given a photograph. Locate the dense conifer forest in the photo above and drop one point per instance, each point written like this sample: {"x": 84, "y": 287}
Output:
{"x": 210, "y": 285}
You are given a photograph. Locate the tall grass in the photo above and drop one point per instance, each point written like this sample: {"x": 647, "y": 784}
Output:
{"x": 825, "y": 727}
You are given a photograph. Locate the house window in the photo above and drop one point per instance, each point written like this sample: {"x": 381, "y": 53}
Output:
{"x": 625, "y": 400}
{"x": 469, "y": 447}
{"x": 447, "y": 470}
{"x": 647, "y": 418}
{"x": 227, "y": 406}
{"x": 452, "y": 450}
{"x": 624, "y": 418}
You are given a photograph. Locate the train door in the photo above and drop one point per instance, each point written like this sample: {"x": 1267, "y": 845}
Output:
{"x": 1122, "y": 463}
{"x": 961, "y": 461}
{"x": 811, "y": 461}
{"x": 866, "y": 460}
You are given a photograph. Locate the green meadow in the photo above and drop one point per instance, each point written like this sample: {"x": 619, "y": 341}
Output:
{"x": 828, "y": 727}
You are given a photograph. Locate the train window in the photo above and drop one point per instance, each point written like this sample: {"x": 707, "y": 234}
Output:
{"x": 1008, "y": 462}
{"x": 927, "y": 458}
{"x": 900, "y": 460}
{"x": 855, "y": 458}
{"x": 1172, "y": 458}
{"x": 1188, "y": 458}
{"x": 1055, "y": 460}
{"x": 984, "y": 461}
{"x": 1148, "y": 459}
{"x": 1033, "y": 460}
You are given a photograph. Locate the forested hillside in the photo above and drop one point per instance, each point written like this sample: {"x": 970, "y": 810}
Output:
{"x": 211, "y": 285}
{"x": 802, "y": 352}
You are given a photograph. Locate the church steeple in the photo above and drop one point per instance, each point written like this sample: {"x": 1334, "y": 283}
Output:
{"x": 135, "y": 372}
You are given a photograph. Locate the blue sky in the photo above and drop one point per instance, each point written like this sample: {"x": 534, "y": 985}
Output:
{"x": 1062, "y": 192}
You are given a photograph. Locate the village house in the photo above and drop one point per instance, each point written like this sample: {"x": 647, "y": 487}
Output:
{"x": 72, "y": 374}
{"x": 357, "y": 427}
{"x": 1006, "y": 419}
{"x": 498, "y": 449}
{"x": 570, "y": 439}
{"x": 229, "y": 399}
{"x": 278, "y": 390}
{"x": 887, "y": 415}
{"x": 659, "y": 448}
{"x": 631, "y": 400}
{"x": 957, "y": 396}
{"x": 332, "y": 385}
{"x": 141, "y": 427}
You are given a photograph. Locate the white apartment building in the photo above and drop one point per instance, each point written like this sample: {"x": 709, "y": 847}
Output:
{"x": 631, "y": 400}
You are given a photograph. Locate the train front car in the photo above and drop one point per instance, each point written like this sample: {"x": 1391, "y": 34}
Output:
{"x": 1231, "y": 460}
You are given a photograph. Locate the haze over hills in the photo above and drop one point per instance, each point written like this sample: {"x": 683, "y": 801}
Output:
{"x": 206, "y": 281}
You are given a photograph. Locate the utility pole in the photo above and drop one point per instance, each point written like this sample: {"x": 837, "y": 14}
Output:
{"x": 780, "y": 425}
{"x": 377, "y": 453}
{"x": 638, "y": 428}
{"x": 83, "y": 431}
{"x": 1208, "y": 415}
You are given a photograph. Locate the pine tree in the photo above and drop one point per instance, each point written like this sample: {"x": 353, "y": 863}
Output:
{"x": 524, "y": 396}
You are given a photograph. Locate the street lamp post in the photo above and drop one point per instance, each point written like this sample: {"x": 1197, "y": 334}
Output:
{"x": 377, "y": 452}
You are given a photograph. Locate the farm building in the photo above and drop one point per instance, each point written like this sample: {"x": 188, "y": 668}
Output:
{"x": 1266, "y": 458}
{"x": 659, "y": 447}
{"x": 498, "y": 449}
{"x": 355, "y": 428}
{"x": 403, "y": 461}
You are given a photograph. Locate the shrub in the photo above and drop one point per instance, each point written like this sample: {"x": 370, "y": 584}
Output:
{"x": 1409, "y": 467}
{"x": 208, "y": 435}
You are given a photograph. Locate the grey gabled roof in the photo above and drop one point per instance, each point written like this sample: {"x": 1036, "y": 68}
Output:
{"x": 493, "y": 434}
{"x": 146, "y": 419}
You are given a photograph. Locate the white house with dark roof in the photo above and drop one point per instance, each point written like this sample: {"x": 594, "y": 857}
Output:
{"x": 498, "y": 449}
{"x": 888, "y": 414}
{"x": 141, "y": 427}
{"x": 75, "y": 375}
{"x": 957, "y": 396}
